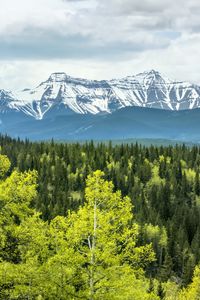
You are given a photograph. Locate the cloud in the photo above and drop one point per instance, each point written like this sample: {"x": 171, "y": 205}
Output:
{"x": 103, "y": 37}
{"x": 63, "y": 30}
{"x": 96, "y": 23}
{"x": 53, "y": 45}
{"x": 127, "y": 7}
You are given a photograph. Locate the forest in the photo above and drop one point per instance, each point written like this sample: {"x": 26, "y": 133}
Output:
{"x": 99, "y": 221}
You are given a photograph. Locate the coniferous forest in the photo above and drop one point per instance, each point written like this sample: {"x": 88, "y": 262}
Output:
{"x": 99, "y": 221}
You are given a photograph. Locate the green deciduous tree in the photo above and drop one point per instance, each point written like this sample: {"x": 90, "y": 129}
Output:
{"x": 90, "y": 254}
{"x": 98, "y": 246}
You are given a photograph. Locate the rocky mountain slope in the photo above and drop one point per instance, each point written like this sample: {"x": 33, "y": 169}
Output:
{"x": 62, "y": 94}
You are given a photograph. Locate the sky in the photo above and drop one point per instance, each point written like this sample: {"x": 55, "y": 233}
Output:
{"x": 97, "y": 39}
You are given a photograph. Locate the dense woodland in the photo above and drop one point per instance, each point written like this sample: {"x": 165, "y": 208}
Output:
{"x": 149, "y": 241}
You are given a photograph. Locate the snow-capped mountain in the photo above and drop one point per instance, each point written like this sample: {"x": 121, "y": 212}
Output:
{"x": 6, "y": 101}
{"x": 65, "y": 94}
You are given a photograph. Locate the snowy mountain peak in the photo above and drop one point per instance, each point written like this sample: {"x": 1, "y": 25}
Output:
{"x": 58, "y": 77}
{"x": 153, "y": 72}
{"x": 150, "y": 73}
{"x": 62, "y": 94}
{"x": 6, "y": 95}
{"x": 152, "y": 77}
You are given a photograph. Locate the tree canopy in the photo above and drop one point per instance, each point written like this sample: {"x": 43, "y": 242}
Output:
{"x": 89, "y": 254}
{"x": 48, "y": 194}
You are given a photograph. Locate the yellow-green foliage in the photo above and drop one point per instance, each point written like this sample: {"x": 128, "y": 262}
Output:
{"x": 171, "y": 291}
{"x": 16, "y": 192}
{"x": 192, "y": 292}
{"x": 90, "y": 254}
{"x": 155, "y": 179}
{"x": 190, "y": 174}
{"x": 156, "y": 234}
{"x": 4, "y": 165}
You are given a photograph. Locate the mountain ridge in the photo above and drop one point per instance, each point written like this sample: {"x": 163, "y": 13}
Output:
{"x": 125, "y": 123}
{"x": 61, "y": 93}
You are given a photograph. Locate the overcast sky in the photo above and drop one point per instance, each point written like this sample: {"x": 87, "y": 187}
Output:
{"x": 97, "y": 39}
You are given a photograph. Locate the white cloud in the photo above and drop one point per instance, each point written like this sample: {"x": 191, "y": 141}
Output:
{"x": 97, "y": 38}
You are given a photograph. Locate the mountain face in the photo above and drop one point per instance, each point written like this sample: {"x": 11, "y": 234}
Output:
{"x": 64, "y": 95}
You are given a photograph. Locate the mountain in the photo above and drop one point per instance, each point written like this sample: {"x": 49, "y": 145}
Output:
{"x": 62, "y": 94}
{"x": 126, "y": 123}
{"x": 147, "y": 105}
